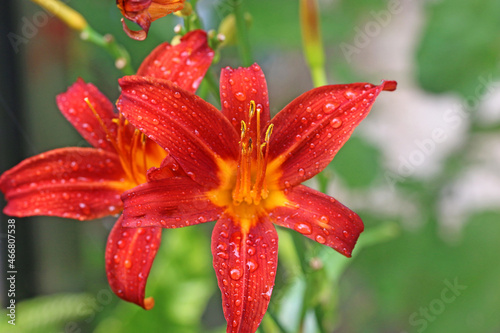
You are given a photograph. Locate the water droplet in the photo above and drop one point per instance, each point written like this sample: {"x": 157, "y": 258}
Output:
{"x": 127, "y": 264}
{"x": 320, "y": 239}
{"x": 222, "y": 246}
{"x": 121, "y": 244}
{"x": 329, "y": 107}
{"x": 251, "y": 251}
{"x": 155, "y": 121}
{"x": 237, "y": 302}
{"x": 349, "y": 94}
{"x": 235, "y": 274}
{"x": 301, "y": 172}
{"x": 240, "y": 96}
{"x": 346, "y": 234}
{"x": 116, "y": 258}
{"x": 222, "y": 255}
{"x": 303, "y": 228}
{"x": 336, "y": 123}
{"x": 252, "y": 265}
{"x": 324, "y": 219}
{"x": 177, "y": 94}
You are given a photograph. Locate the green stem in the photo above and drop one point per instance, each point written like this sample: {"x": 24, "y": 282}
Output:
{"x": 318, "y": 75}
{"x": 108, "y": 42}
{"x": 242, "y": 33}
{"x": 213, "y": 84}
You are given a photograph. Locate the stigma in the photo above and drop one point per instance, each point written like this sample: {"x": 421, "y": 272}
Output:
{"x": 250, "y": 184}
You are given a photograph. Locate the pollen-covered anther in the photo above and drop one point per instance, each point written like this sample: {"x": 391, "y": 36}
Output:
{"x": 250, "y": 184}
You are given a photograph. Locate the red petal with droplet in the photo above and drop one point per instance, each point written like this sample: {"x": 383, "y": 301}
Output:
{"x": 245, "y": 265}
{"x": 237, "y": 88}
{"x": 73, "y": 106}
{"x": 194, "y": 132}
{"x": 311, "y": 129}
{"x": 79, "y": 183}
{"x": 320, "y": 218}
{"x": 169, "y": 203}
{"x": 129, "y": 255}
{"x": 184, "y": 64}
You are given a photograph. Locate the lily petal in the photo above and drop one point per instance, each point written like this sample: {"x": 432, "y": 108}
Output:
{"x": 79, "y": 183}
{"x": 169, "y": 203}
{"x": 310, "y": 130}
{"x": 129, "y": 255}
{"x": 73, "y": 106}
{"x": 240, "y": 86}
{"x": 320, "y": 218}
{"x": 192, "y": 130}
{"x": 184, "y": 64}
{"x": 245, "y": 265}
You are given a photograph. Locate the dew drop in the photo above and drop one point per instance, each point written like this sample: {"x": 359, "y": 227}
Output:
{"x": 336, "y": 123}
{"x": 252, "y": 265}
{"x": 346, "y": 234}
{"x": 155, "y": 121}
{"x": 116, "y": 258}
{"x": 177, "y": 94}
{"x": 349, "y": 94}
{"x": 303, "y": 228}
{"x": 127, "y": 264}
{"x": 240, "y": 96}
{"x": 301, "y": 172}
{"x": 320, "y": 239}
{"x": 329, "y": 108}
{"x": 235, "y": 274}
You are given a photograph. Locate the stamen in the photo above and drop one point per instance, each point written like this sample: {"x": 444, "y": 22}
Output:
{"x": 133, "y": 154}
{"x": 260, "y": 191}
{"x": 245, "y": 189}
{"x": 101, "y": 122}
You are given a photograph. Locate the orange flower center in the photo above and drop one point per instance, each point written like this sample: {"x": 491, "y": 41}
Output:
{"x": 249, "y": 188}
{"x": 251, "y": 172}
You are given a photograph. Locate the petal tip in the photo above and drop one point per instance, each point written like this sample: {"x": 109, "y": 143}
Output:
{"x": 149, "y": 303}
{"x": 389, "y": 85}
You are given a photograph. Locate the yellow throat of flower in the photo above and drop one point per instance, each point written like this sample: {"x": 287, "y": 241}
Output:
{"x": 136, "y": 152}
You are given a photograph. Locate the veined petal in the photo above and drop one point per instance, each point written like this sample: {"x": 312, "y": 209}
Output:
{"x": 245, "y": 265}
{"x": 312, "y": 128}
{"x": 129, "y": 255}
{"x": 320, "y": 218}
{"x": 79, "y": 183}
{"x": 240, "y": 86}
{"x": 73, "y": 106}
{"x": 169, "y": 203}
{"x": 184, "y": 64}
{"x": 193, "y": 131}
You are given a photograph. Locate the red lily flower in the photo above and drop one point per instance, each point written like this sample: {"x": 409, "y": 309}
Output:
{"x": 143, "y": 12}
{"x": 245, "y": 170}
{"x": 86, "y": 183}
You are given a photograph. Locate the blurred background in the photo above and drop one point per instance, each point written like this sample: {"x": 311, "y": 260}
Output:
{"x": 423, "y": 170}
